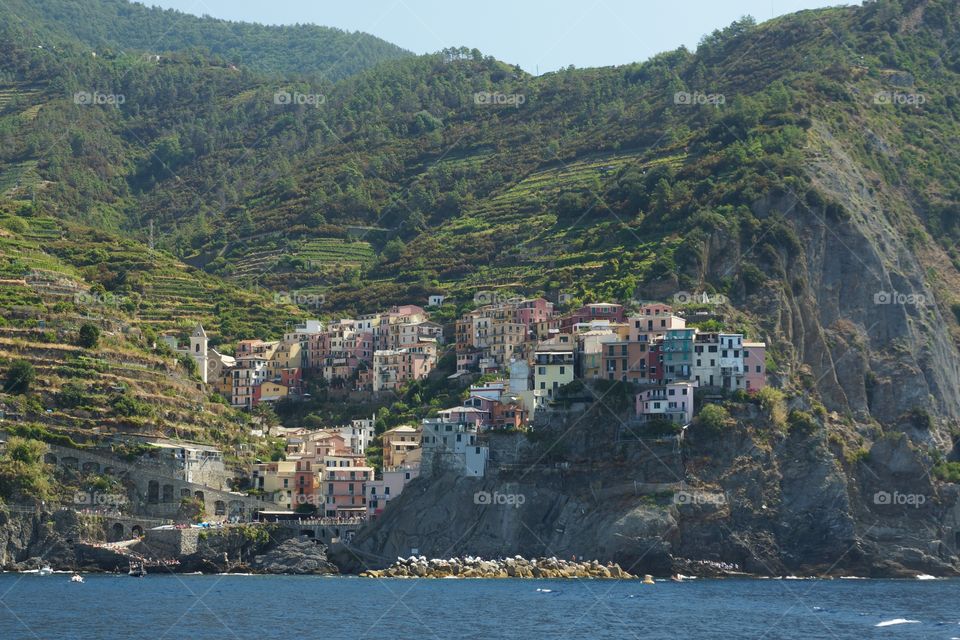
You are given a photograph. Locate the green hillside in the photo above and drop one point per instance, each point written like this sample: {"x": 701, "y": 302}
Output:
{"x": 762, "y": 165}
{"x": 110, "y": 27}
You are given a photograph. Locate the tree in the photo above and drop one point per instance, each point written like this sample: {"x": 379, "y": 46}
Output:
{"x": 89, "y": 335}
{"x": 20, "y": 376}
{"x": 393, "y": 250}
{"x": 23, "y": 473}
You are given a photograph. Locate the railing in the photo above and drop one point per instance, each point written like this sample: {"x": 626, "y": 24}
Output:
{"x": 324, "y": 522}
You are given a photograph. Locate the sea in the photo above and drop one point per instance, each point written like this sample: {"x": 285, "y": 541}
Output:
{"x": 196, "y": 607}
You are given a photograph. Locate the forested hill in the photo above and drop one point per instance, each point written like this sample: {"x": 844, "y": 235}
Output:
{"x": 114, "y": 26}
{"x": 800, "y": 167}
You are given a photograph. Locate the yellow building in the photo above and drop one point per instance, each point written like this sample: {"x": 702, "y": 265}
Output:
{"x": 272, "y": 391}
{"x": 553, "y": 368}
{"x": 275, "y": 479}
{"x": 399, "y": 445}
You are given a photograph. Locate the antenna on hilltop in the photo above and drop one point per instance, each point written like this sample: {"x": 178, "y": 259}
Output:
{"x": 150, "y": 242}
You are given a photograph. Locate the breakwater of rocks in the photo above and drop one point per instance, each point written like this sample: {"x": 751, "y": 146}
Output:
{"x": 516, "y": 567}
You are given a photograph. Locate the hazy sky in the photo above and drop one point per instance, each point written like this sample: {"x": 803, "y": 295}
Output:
{"x": 536, "y": 34}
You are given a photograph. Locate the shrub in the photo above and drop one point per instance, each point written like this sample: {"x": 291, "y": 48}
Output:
{"x": 23, "y": 473}
{"x": 20, "y": 376}
{"x": 713, "y": 417}
{"x": 948, "y": 471}
{"x": 126, "y": 405}
{"x": 188, "y": 363}
{"x": 71, "y": 395}
{"x": 661, "y": 427}
{"x": 801, "y": 421}
{"x": 772, "y": 401}
{"x": 88, "y": 336}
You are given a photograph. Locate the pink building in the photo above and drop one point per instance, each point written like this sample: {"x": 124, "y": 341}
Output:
{"x": 673, "y": 402}
{"x": 646, "y": 327}
{"x": 345, "y": 478}
{"x": 465, "y": 415}
{"x": 755, "y": 365}
{"x": 390, "y": 486}
{"x": 530, "y": 312}
{"x": 597, "y": 311}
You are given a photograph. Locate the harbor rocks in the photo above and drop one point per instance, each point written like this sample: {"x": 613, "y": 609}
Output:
{"x": 295, "y": 556}
{"x": 516, "y": 567}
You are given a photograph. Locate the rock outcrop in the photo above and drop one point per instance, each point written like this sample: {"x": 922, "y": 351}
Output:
{"x": 299, "y": 556}
{"x": 516, "y": 567}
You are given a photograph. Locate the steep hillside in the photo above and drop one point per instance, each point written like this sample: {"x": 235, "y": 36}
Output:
{"x": 111, "y": 26}
{"x": 801, "y": 167}
{"x": 57, "y": 277}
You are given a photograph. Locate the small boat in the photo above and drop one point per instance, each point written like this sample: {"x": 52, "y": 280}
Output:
{"x": 648, "y": 579}
{"x": 45, "y": 570}
{"x": 137, "y": 569}
{"x": 76, "y": 578}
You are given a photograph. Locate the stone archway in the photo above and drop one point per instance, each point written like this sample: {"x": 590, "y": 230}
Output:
{"x": 236, "y": 508}
{"x": 49, "y": 458}
{"x": 69, "y": 462}
{"x": 167, "y": 493}
{"x": 219, "y": 508}
{"x": 184, "y": 493}
{"x": 91, "y": 467}
{"x": 137, "y": 531}
{"x": 199, "y": 495}
{"x": 153, "y": 492}
{"x": 116, "y": 532}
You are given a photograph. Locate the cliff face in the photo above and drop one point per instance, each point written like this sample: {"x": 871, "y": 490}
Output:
{"x": 770, "y": 501}
{"x": 29, "y": 540}
{"x": 859, "y": 305}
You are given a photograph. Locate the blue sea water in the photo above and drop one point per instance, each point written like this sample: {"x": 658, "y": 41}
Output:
{"x": 265, "y": 607}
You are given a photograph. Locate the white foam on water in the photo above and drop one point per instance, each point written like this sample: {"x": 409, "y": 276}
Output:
{"x": 896, "y": 621}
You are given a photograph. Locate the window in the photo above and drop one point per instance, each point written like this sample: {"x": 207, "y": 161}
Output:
{"x": 759, "y": 369}
{"x": 562, "y": 370}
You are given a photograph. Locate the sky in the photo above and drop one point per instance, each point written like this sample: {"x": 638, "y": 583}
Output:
{"x": 539, "y": 35}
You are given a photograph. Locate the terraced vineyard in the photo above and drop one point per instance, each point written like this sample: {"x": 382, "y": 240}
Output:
{"x": 10, "y": 94}
{"x": 327, "y": 252}
{"x": 21, "y": 175}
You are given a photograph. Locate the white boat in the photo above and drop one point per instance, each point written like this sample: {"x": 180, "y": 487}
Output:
{"x": 45, "y": 571}
{"x": 76, "y": 578}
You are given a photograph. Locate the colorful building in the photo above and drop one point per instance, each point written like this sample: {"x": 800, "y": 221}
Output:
{"x": 673, "y": 402}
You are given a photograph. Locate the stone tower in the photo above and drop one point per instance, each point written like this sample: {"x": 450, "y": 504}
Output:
{"x": 199, "y": 350}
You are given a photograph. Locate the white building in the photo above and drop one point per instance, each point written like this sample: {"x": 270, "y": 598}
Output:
{"x": 359, "y": 434}
{"x": 673, "y": 401}
{"x": 198, "y": 349}
{"x": 452, "y": 446}
{"x": 731, "y": 361}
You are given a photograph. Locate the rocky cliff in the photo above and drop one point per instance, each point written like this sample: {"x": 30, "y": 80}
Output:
{"x": 751, "y": 496}
{"x": 69, "y": 541}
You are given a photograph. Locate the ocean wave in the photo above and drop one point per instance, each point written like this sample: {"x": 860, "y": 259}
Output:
{"x": 896, "y": 621}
